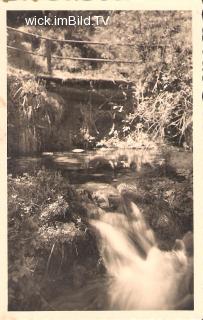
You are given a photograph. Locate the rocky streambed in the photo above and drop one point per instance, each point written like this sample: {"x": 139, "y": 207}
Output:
{"x": 58, "y": 195}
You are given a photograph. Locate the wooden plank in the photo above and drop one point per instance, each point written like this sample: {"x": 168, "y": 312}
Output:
{"x": 96, "y": 59}
{"x": 87, "y": 83}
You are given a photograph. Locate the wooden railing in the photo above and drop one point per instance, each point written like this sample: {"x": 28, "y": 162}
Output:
{"x": 49, "y": 56}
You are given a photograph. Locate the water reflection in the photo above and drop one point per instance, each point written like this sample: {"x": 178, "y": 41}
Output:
{"x": 105, "y": 165}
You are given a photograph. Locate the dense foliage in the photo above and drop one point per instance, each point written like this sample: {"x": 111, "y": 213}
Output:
{"x": 48, "y": 239}
{"x": 33, "y": 114}
{"x": 161, "y": 75}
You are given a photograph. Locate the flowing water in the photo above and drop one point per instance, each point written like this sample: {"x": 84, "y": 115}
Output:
{"x": 139, "y": 274}
{"x": 143, "y": 276}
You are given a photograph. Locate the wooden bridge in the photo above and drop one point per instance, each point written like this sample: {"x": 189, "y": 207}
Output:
{"x": 78, "y": 88}
{"x": 49, "y": 56}
{"x": 94, "y": 91}
{"x": 90, "y": 103}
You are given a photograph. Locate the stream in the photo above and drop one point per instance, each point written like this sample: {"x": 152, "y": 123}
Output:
{"x": 82, "y": 166}
{"x": 146, "y": 197}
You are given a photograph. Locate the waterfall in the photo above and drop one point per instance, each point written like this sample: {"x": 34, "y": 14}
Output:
{"x": 141, "y": 276}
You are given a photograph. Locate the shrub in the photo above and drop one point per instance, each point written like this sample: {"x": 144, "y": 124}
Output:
{"x": 47, "y": 235}
{"x": 33, "y": 114}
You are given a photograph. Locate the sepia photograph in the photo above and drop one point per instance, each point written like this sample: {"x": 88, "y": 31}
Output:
{"x": 100, "y": 160}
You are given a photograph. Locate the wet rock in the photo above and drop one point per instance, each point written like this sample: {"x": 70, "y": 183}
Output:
{"x": 165, "y": 228}
{"x": 126, "y": 188}
{"x": 163, "y": 222}
{"x": 106, "y": 199}
{"x": 101, "y": 198}
{"x": 99, "y": 162}
{"x": 93, "y": 211}
{"x": 114, "y": 202}
{"x": 103, "y": 194}
{"x": 128, "y": 191}
{"x": 133, "y": 166}
{"x": 188, "y": 241}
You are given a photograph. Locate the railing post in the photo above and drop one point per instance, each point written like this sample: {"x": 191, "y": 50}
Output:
{"x": 48, "y": 54}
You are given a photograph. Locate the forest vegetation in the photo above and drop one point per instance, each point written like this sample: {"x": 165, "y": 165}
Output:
{"x": 50, "y": 239}
{"x": 161, "y": 77}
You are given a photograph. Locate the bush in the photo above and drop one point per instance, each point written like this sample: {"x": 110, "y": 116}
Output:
{"x": 47, "y": 235}
{"x": 33, "y": 114}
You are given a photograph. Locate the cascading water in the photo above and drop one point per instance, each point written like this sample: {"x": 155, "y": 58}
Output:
{"x": 142, "y": 277}
{"x": 137, "y": 274}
